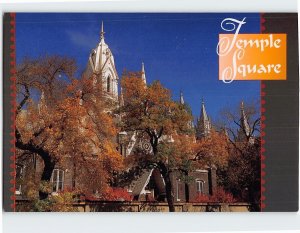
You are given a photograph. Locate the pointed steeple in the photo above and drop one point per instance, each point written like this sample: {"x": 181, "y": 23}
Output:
{"x": 102, "y": 32}
{"x": 143, "y": 73}
{"x": 244, "y": 131}
{"x": 244, "y": 120}
{"x": 102, "y": 67}
{"x": 181, "y": 98}
{"x": 203, "y": 124}
{"x": 203, "y": 113}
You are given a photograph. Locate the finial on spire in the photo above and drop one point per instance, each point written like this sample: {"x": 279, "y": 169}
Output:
{"x": 242, "y": 105}
{"x": 202, "y": 100}
{"x": 181, "y": 98}
{"x": 102, "y": 32}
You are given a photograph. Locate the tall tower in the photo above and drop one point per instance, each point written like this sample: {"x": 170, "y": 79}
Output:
{"x": 203, "y": 126}
{"x": 102, "y": 66}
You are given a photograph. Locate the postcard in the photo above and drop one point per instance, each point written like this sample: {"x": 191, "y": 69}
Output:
{"x": 151, "y": 112}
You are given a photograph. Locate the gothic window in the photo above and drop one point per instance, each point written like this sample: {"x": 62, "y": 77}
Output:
{"x": 108, "y": 84}
{"x": 200, "y": 186}
{"x": 57, "y": 180}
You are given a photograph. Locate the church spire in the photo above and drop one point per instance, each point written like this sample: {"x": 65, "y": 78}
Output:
{"x": 244, "y": 131}
{"x": 103, "y": 70}
{"x": 203, "y": 113}
{"x": 102, "y": 32}
{"x": 203, "y": 123}
{"x": 244, "y": 120}
{"x": 181, "y": 98}
{"x": 143, "y": 73}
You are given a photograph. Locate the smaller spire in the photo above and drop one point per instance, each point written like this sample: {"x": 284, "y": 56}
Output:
{"x": 181, "y": 98}
{"x": 143, "y": 73}
{"x": 102, "y": 32}
{"x": 244, "y": 131}
{"x": 203, "y": 113}
{"x": 203, "y": 123}
{"x": 244, "y": 119}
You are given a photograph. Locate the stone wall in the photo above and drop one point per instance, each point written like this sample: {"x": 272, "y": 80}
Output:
{"x": 104, "y": 206}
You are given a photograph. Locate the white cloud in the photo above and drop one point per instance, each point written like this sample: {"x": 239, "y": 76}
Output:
{"x": 81, "y": 39}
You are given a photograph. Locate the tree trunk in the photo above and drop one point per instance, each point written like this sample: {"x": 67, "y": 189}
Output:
{"x": 169, "y": 193}
{"x": 49, "y": 163}
{"x": 166, "y": 176}
{"x": 46, "y": 176}
{"x": 186, "y": 187}
{"x": 168, "y": 186}
{"x": 187, "y": 192}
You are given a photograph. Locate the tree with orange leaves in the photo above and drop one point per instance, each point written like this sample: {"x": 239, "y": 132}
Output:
{"x": 212, "y": 150}
{"x": 65, "y": 122}
{"x": 150, "y": 111}
{"x": 167, "y": 126}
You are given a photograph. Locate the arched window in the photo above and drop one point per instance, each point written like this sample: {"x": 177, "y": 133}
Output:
{"x": 57, "y": 180}
{"x": 108, "y": 83}
{"x": 200, "y": 186}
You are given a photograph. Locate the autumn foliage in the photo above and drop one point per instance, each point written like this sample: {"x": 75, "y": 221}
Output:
{"x": 212, "y": 150}
{"x": 61, "y": 119}
{"x": 66, "y": 120}
{"x": 167, "y": 126}
{"x": 116, "y": 194}
{"x": 219, "y": 196}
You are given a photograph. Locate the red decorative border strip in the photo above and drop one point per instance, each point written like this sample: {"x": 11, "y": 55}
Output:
{"x": 13, "y": 94}
{"x": 263, "y": 133}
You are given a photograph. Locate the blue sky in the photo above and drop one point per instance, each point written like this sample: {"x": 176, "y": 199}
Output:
{"x": 177, "y": 49}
